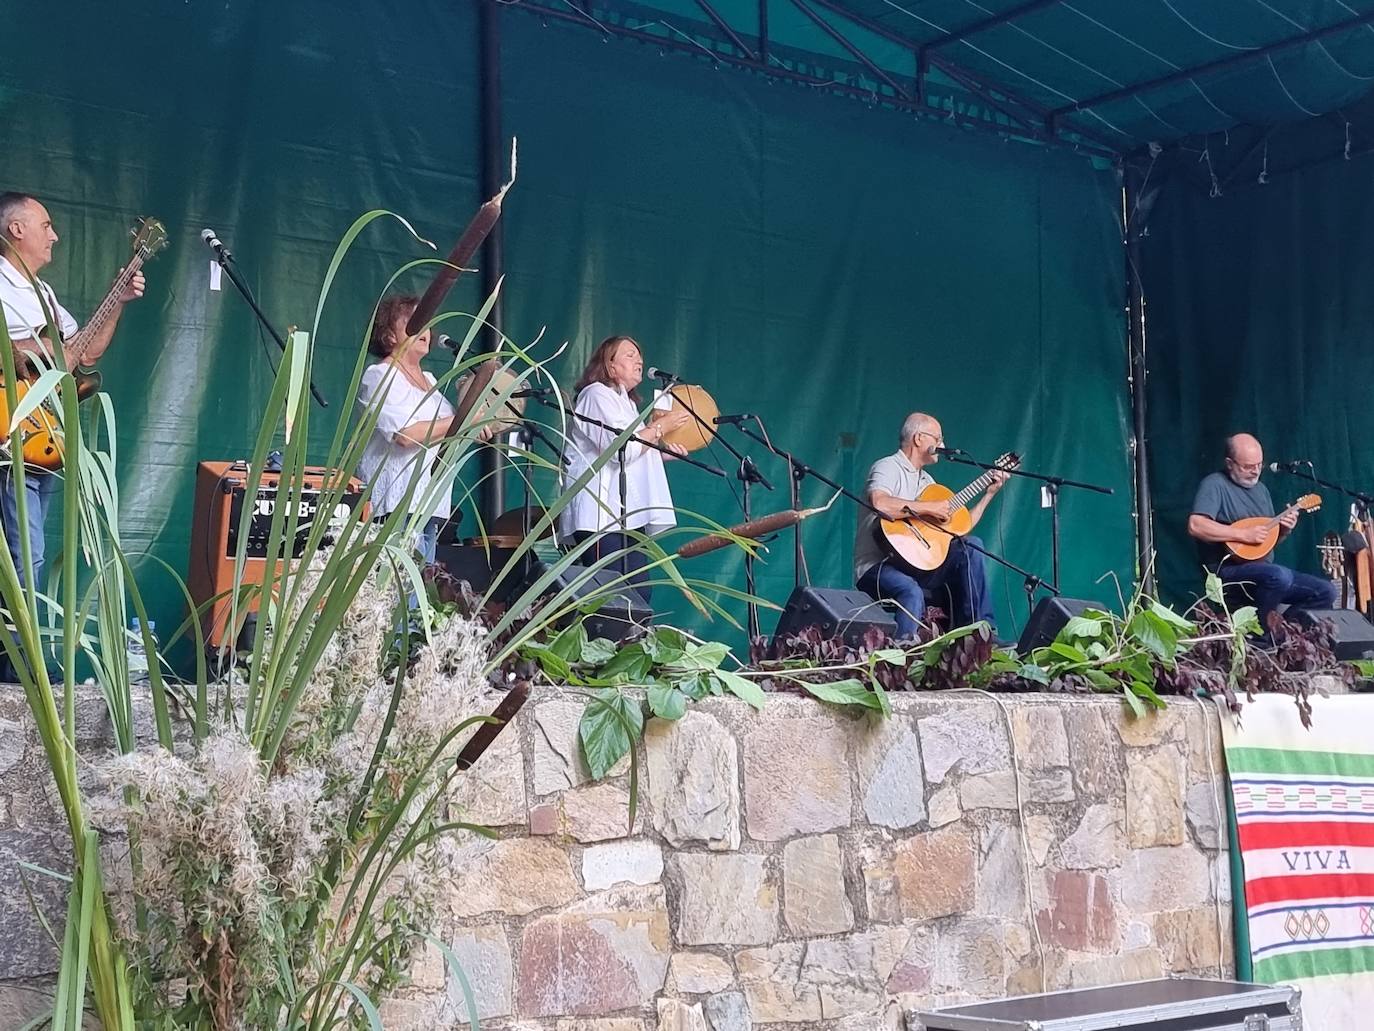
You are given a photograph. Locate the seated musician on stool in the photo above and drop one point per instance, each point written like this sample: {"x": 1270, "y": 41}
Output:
{"x": 1225, "y": 497}
{"x": 606, "y": 392}
{"x": 26, "y": 240}
{"x": 894, "y": 485}
{"x": 412, "y": 416}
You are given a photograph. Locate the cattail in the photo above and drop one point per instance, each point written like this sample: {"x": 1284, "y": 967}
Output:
{"x": 751, "y": 530}
{"x": 462, "y": 253}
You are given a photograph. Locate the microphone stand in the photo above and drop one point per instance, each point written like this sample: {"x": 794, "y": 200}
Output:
{"x": 620, "y": 460}
{"x": 748, "y": 474}
{"x": 800, "y": 471}
{"x": 1052, "y": 485}
{"x": 225, "y": 261}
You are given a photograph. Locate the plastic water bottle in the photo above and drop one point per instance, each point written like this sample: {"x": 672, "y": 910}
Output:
{"x": 138, "y": 655}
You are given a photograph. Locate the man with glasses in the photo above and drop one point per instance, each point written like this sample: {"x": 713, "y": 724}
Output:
{"x": 894, "y": 485}
{"x": 1226, "y": 497}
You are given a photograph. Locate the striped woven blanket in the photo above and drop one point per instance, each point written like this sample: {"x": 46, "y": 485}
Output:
{"x": 1304, "y": 804}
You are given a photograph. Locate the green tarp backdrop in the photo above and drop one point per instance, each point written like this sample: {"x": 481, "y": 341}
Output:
{"x": 1259, "y": 314}
{"x": 827, "y": 266}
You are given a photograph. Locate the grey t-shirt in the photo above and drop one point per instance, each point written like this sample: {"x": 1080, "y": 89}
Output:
{"x": 893, "y": 475}
{"x": 1219, "y": 497}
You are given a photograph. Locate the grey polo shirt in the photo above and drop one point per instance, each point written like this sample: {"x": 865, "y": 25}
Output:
{"x": 893, "y": 475}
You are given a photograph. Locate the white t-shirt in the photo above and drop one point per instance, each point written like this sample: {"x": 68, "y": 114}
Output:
{"x": 648, "y": 503}
{"x": 23, "y": 312}
{"x": 385, "y": 463}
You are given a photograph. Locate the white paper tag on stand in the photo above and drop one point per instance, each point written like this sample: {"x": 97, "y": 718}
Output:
{"x": 1046, "y": 497}
{"x": 215, "y": 273}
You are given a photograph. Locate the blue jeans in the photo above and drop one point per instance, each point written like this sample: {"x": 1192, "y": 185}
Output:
{"x": 1272, "y": 585}
{"x": 39, "y": 490}
{"x": 963, "y": 573}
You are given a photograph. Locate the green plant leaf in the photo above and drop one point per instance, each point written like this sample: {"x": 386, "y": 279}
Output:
{"x": 570, "y": 642}
{"x": 1215, "y": 590}
{"x": 1101, "y": 681}
{"x": 665, "y": 644}
{"x": 703, "y": 656}
{"x": 1154, "y": 634}
{"x": 1365, "y": 667}
{"x": 1245, "y": 620}
{"x": 894, "y": 656}
{"x": 1036, "y": 674}
{"x": 844, "y": 692}
{"x": 555, "y": 667}
{"x": 631, "y": 664}
{"x": 666, "y": 701}
{"x": 610, "y": 725}
{"x": 741, "y": 687}
{"x": 598, "y": 651}
{"x": 1082, "y": 626}
{"x": 1136, "y": 706}
{"x": 1171, "y": 617}
{"x": 1145, "y": 691}
{"x": 1068, "y": 651}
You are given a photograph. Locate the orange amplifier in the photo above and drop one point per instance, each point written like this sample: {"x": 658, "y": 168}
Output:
{"x": 220, "y": 491}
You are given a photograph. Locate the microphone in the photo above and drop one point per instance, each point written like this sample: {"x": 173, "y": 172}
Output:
{"x": 950, "y": 451}
{"x": 213, "y": 242}
{"x": 1287, "y": 467}
{"x": 444, "y": 340}
{"x": 732, "y": 420}
{"x": 532, "y": 392}
{"x": 663, "y": 376}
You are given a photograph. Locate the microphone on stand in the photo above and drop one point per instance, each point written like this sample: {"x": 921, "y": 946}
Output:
{"x": 1288, "y": 467}
{"x": 732, "y": 420}
{"x": 950, "y": 451}
{"x": 213, "y": 242}
{"x": 663, "y": 376}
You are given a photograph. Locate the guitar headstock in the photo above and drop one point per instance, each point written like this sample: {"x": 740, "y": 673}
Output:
{"x": 1007, "y": 462}
{"x": 1333, "y": 556}
{"x": 1308, "y": 503}
{"x": 150, "y": 236}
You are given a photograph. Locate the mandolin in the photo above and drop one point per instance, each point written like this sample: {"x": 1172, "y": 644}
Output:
{"x": 1255, "y": 552}
{"x": 40, "y": 432}
{"x": 923, "y": 544}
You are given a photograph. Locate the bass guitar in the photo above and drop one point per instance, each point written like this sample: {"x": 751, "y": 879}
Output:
{"x": 1270, "y": 524}
{"x": 40, "y": 433}
{"x": 923, "y": 543}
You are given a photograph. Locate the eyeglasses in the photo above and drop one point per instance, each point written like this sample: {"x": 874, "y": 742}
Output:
{"x": 940, "y": 440}
{"x": 1253, "y": 467}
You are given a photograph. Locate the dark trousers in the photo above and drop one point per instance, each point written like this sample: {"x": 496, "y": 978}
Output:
{"x": 608, "y": 543}
{"x": 964, "y": 573}
{"x": 1272, "y": 585}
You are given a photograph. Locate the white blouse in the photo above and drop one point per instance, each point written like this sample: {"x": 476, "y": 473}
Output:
{"x": 385, "y": 463}
{"x": 648, "y": 503}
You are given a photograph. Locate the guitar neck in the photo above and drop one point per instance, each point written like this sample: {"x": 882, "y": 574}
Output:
{"x": 970, "y": 492}
{"x": 106, "y": 309}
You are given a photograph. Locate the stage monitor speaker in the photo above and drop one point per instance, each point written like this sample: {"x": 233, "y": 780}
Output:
{"x": 1354, "y": 635}
{"x": 621, "y": 614}
{"x": 1050, "y": 616}
{"x": 843, "y": 613}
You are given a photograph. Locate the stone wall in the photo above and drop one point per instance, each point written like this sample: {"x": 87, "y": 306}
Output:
{"x": 801, "y": 865}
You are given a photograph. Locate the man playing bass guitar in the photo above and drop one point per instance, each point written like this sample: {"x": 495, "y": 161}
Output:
{"x": 26, "y": 241}
{"x": 894, "y": 488}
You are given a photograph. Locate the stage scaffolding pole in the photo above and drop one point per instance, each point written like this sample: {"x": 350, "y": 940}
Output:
{"x": 494, "y": 151}
{"x": 1135, "y": 217}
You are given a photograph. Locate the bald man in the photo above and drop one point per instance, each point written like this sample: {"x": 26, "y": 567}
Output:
{"x": 894, "y": 484}
{"x": 1226, "y": 497}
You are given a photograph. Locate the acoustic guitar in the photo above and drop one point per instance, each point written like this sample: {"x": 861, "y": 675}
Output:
{"x": 1255, "y": 552}
{"x": 922, "y": 543}
{"x": 39, "y": 432}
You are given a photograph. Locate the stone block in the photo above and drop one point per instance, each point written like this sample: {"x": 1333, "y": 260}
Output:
{"x": 631, "y": 862}
{"x": 514, "y": 876}
{"x": 773, "y": 985}
{"x": 820, "y": 980}
{"x": 890, "y": 781}
{"x": 1040, "y": 837}
{"x": 676, "y": 1015}
{"x": 483, "y": 953}
{"x": 601, "y": 1024}
{"x": 1088, "y": 971}
{"x": 598, "y": 812}
{"x": 558, "y": 760}
{"x": 1154, "y": 728}
{"x": 693, "y": 775}
{"x": 881, "y": 896}
{"x": 429, "y": 970}
{"x": 12, "y": 740}
{"x": 1001, "y": 878}
{"x": 996, "y": 790}
{"x": 1047, "y": 785}
{"x": 1154, "y": 798}
{"x": 728, "y": 1011}
{"x": 724, "y": 899}
{"x": 25, "y": 948}
{"x": 1042, "y": 741}
{"x": 944, "y": 807}
{"x": 1190, "y": 940}
{"x": 796, "y": 777}
{"x": 1098, "y": 842}
{"x": 416, "y": 1013}
{"x": 1080, "y": 914}
{"x": 1094, "y": 750}
{"x": 1204, "y": 806}
{"x": 914, "y": 970}
{"x": 545, "y": 819}
{"x": 968, "y": 737}
{"x": 492, "y": 792}
{"x": 1158, "y": 879}
{"x": 971, "y": 958}
{"x": 814, "y": 899}
{"x": 698, "y": 973}
{"x": 609, "y": 952}
{"x": 935, "y": 873}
